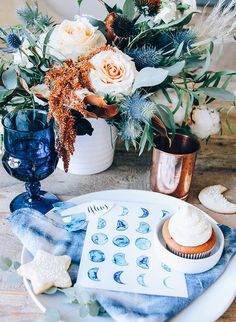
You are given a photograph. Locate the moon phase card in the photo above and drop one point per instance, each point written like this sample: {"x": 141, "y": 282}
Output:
{"x": 119, "y": 252}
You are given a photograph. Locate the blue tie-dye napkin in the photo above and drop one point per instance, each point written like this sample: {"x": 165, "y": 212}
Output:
{"x": 39, "y": 232}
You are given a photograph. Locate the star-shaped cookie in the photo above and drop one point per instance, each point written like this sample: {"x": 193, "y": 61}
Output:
{"x": 46, "y": 270}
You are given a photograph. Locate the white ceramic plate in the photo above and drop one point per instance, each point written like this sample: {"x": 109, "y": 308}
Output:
{"x": 207, "y": 308}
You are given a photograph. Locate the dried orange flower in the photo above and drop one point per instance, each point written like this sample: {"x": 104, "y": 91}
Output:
{"x": 63, "y": 83}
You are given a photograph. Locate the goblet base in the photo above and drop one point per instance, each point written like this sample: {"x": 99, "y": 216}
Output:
{"x": 43, "y": 203}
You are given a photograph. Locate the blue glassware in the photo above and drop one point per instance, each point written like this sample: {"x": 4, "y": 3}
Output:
{"x": 30, "y": 156}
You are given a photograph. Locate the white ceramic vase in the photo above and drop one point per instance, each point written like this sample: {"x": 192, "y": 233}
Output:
{"x": 95, "y": 153}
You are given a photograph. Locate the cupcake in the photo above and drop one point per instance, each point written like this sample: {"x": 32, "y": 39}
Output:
{"x": 189, "y": 234}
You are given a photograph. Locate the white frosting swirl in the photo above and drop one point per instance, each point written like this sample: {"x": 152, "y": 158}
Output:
{"x": 189, "y": 227}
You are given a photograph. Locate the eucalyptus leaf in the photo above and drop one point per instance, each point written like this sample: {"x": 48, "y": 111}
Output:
{"x": 17, "y": 100}
{"x": 51, "y": 291}
{"x": 9, "y": 78}
{"x": 149, "y": 77}
{"x": 16, "y": 265}
{"x": 52, "y": 315}
{"x": 2, "y": 89}
{"x": 176, "y": 68}
{"x": 218, "y": 93}
{"x": 129, "y": 8}
{"x": 5, "y": 263}
{"x": 5, "y": 94}
{"x": 94, "y": 308}
{"x": 83, "y": 311}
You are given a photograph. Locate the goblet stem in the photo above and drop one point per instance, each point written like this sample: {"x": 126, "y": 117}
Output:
{"x": 33, "y": 190}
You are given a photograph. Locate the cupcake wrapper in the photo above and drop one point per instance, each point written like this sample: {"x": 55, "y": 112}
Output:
{"x": 190, "y": 256}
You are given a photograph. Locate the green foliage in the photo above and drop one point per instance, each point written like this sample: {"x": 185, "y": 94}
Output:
{"x": 218, "y": 93}
{"x": 176, "y": 68}
{"x": 129, "y": 8}
{"x": 51, "y": 315}
{"x": 87, "y": 305}
{"x": 9, "y": 79}
{"x": 5, "y": 263}
{"x": 33, "y": 18}
{"x": 79, "y": 2}
{"x": 149, "y": 77}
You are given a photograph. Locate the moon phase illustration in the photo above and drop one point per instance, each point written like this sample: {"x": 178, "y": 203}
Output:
{"x": 145, "y": 213}
{"x": 166, "y": 282}
{"x": 140, "y": 280}
{"x": 143, "y": 243}
{"x": 121, "y": 241}
{"x": 144, "y": 228}
{"x": 121, "y": 225}
{"x": 99, "y": 239}
{"x": 96, "y": 256}
{"x": 117, "y": 276}
{"x": 165, "y": 213}
{"x": 165, "y": 267}
{"x": 125, "y": 211}
{"x": 93, "y": 274}
{"x": 143, "y": 262}
{"x": 101, "y": 223}
{"x": 119, "y": 259}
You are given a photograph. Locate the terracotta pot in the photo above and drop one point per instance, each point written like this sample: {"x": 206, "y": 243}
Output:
{"x": 95, "y": 153}
{"x": 172, "y": 166}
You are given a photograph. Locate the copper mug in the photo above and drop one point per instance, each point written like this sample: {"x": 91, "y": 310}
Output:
{"x": 172, "y": 166}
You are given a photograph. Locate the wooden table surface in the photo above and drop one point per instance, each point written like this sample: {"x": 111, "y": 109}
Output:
{"x": 215, "y": 165}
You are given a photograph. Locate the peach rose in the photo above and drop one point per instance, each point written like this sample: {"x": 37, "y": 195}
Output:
{"x": 113, "y": 72}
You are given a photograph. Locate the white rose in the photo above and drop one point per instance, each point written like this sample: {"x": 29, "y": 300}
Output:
{"x": 167, "y": 13}
{"x": 192, "y": 6}
{"x": 38, "y": 91}
{"x": 21, "y": 58}
{"x": 72, "y": 39}
{"x": 159, "y": 98}
{"x": 113, "y": 73}
{"x": 206, "y": 122}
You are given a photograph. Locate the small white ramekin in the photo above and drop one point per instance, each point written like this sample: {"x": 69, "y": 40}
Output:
{"x": 186, "y": 265}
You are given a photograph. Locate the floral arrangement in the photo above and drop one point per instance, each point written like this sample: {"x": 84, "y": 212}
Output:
{"x": 145, "y": 69}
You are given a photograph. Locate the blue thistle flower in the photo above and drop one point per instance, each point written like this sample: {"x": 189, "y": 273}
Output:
{"x": 186, "y": 37}
{"x": 130, "y": 130}
{"x": 12, "y": 41}
{"x": 146, "y": 56}
{"x": 138, "y": 108}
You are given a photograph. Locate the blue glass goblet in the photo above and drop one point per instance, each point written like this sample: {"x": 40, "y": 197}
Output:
{"x": 30, "y": 156}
